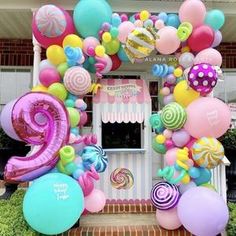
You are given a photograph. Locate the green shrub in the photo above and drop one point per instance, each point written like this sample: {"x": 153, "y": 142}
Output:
{"x": 231, "y": 228}
{"x": 229, "y": 139}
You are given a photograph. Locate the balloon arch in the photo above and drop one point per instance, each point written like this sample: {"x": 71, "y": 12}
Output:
{"x": 95, "y": 40}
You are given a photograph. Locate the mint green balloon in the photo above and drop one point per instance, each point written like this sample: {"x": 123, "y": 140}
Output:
{"x": 89, "y": 15}
{"x": 112, "y": 47}
{"x": 62, "y": 68}
{"x": 215, "y": 19}
{"x": 159, "y": 148}
{"x": 53, "y": 203}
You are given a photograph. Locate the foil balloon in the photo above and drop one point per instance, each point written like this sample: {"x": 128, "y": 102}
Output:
{"x": 51, "y": 135}
{"x": 184, "y": 31}
{"x": 140, "y": 43}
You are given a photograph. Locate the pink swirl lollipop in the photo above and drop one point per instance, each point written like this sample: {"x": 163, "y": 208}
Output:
{"x": 77, "y": 80}
{"x": 164, "y": 196}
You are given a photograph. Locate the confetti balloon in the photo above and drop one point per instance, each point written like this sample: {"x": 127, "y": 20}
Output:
{"x": 202, "y": 78}
{"x": 173, "y": 116}
{"x": 140, "y": 44}
{"x": 77, "y": 80}
{"x": 164, "y": 196}
{"x": 122, "y": 178}
{"x": 207, "y": 152}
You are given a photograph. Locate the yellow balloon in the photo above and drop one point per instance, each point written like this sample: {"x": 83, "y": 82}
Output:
{"x": 100, "y": 51}
{"x": 55, "y": 54}
{"x": 39, "y": 88}
{"x": 185, "y": 49}
{"x": 184, "y": 95}
{"x": 178, "y": 72}
{"x": 106, "y": 37}
{"x": 160, "y": 139}
{"x": 73, "y": 40}
{"x": 144, "y": 15}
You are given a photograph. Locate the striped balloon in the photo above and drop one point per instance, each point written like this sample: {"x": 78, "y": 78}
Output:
{"x": 173, "y": 116}
{"x": 207, "y": 152}
{"x": 50, "y": 21}
{"x": 77, "y": 81}
{"x": 164, "y": 196}
{"x": 96, "y": 156}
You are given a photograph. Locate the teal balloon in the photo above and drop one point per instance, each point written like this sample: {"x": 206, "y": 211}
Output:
{"x": 89, "y": 15}
{"x": 69, "y": 103}
{"x": 122, "y": 55}
{"x": 159, "y": 148}
{"x": 205, "y": 176}
{"x": 173, "y": 20}
{"x": 215, "y": 19}
{"x": 92, "y": 69}
{"x": 53, "y": 203}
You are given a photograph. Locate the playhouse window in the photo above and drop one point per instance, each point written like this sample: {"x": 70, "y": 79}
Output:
{"x": 121, "y": 135}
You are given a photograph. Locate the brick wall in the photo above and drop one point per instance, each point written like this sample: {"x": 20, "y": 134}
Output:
{"x": 19, "y": 52}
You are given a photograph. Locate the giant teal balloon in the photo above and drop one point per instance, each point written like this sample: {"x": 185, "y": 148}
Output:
{"x": 53, "y": 203}
{"x": 215, "y": 18}
{"x": 89, "y": 15}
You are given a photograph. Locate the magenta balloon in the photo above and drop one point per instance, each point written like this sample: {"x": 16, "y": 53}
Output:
{"x": 83, "y": 118}
{"x": 6, "y": 122}
{"x": 207, "y": 117}
{"x": 192, "y": 11}
{"x": 52, "y": 135}
{"x": 180, "y": 138}
{"x": 217, "y": 39}
{"x": 168, "y": 219}
{"x": 203, "y": 212}
{"x": 49, "y": 76}
{"x": 209, "y": 55}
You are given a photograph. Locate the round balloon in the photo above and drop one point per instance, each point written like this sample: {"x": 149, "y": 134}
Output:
{"x": 125, "y": 28}
{"x": 201, "y": 38}
{"x": 89, "y": 17}
{"x": 202, "y": 211}
{"x": 217, "y": 39}
{"x": 51, "y": 24}
{"x": 49, "y": 76}
{"x": 186, "y": 59}
{"x": 49, "y": 199}
{"x": 116, "y": 62}
{"x": 207, "y": 117}
{"x": 215, "y": 18}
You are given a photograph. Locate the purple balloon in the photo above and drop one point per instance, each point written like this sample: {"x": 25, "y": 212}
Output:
{"x": 217, "y": 39}
{"x": 180, "y": 138}
{"x": 170, "y": 79}
{"x": 185, "y": 187}
{"x": 6, "y": 121}
{"x": 203, "y": 212}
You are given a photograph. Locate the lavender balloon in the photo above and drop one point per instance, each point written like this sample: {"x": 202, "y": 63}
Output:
{"x": 168, "y": 99}
{"x": 51, "y": 135}
{"x": 217, "y": 39}
{"x": 180, "y": 138}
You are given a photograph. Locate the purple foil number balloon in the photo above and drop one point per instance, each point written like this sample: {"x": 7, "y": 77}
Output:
{"x": 51, "y": 135}
{"x": 202, "y": 78}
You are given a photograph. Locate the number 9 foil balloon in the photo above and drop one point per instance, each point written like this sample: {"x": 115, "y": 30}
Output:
{"x": 51, "y": 134}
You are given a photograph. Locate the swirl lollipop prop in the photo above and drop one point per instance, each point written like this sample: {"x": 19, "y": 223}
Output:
{"x": 51, "y": 135}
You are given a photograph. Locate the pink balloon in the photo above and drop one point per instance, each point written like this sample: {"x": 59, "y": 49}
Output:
{"x": 217, "y": 39}
{"x": 45, "y": 64}
{"x": 95, "y": 201}
{"x": 209, "y": 55}
{"x": 168, "y": 219}
{"x": 170, "y": 156}
{"x": 103, "y": 65}
{"x": 83, "y": 118}
{"x": 51, "y": 136}
{"x": 159, "y": 24}
{"x": 90, "y": 42}
{"x": 168, "y": 41}
{"x": 138, "y": 23}
{"x": 192, "y": 11}
{"x": 180, "y": 138}
{"x": 6, "y": 122}
{"x": 167, "y": 133}
{"x": 125, "y": 28}
{"x": 49, "y": 76}
{"x": 207, "y": 117}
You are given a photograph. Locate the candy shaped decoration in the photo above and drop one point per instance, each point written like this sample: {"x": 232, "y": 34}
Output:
{"x": 207, "y": 152}
{"x": 173, "y": 116}
{"x": 51, "y": 135}
{"x": 96, "y": 156}
{"x": 77, "y": 80}
{"x": 162, "y": 70}
{"x": 140, "y": 43}
{"x": 122, "y": 178}
{"x": 164, "y": 196}
{"x": 184, "y": 31}
{"x": 51, "y": 24}
{"x": 202, "y": 78}
{"x": 156, "y": 123}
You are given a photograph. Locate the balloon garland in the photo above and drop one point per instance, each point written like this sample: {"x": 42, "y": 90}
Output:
{"x": 186, "y": 128}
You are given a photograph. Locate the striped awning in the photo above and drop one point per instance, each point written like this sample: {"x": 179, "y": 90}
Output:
{"x": 122, "y": 100}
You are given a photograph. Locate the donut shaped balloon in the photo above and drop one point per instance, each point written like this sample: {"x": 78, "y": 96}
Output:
{"x": 164, "y": 196}
{"x": 96, "y": 156}
{"x": 51, "y": 135}
{"x": 51, "y": 24}
{"x": 77, "y": 80}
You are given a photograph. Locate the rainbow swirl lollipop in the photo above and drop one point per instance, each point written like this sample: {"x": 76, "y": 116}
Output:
{"x": 96, "y": 156}
{"x": 164, "y": 196}
{"x": 121, "y": 178}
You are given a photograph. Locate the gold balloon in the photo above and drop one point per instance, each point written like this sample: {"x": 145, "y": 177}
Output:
{"x": 140, "y": 44}
{"x": 184, "y": 95}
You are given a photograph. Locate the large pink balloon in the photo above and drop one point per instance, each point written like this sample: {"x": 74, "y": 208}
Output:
{"x": 168, "y": 41}
{"x": 51, "y": 136}
{"x": 168, "y": 219}
{"x": 207, "y": 117}
{"x": 209, "y": 55}
{"x": 192, "y": 11}
{"x": 125, "y": 28}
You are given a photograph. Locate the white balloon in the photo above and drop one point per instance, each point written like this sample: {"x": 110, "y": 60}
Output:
{"x": 186, "y": 59}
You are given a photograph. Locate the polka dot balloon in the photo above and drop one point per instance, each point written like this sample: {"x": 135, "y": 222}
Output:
{"x": 202, "y": 78}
